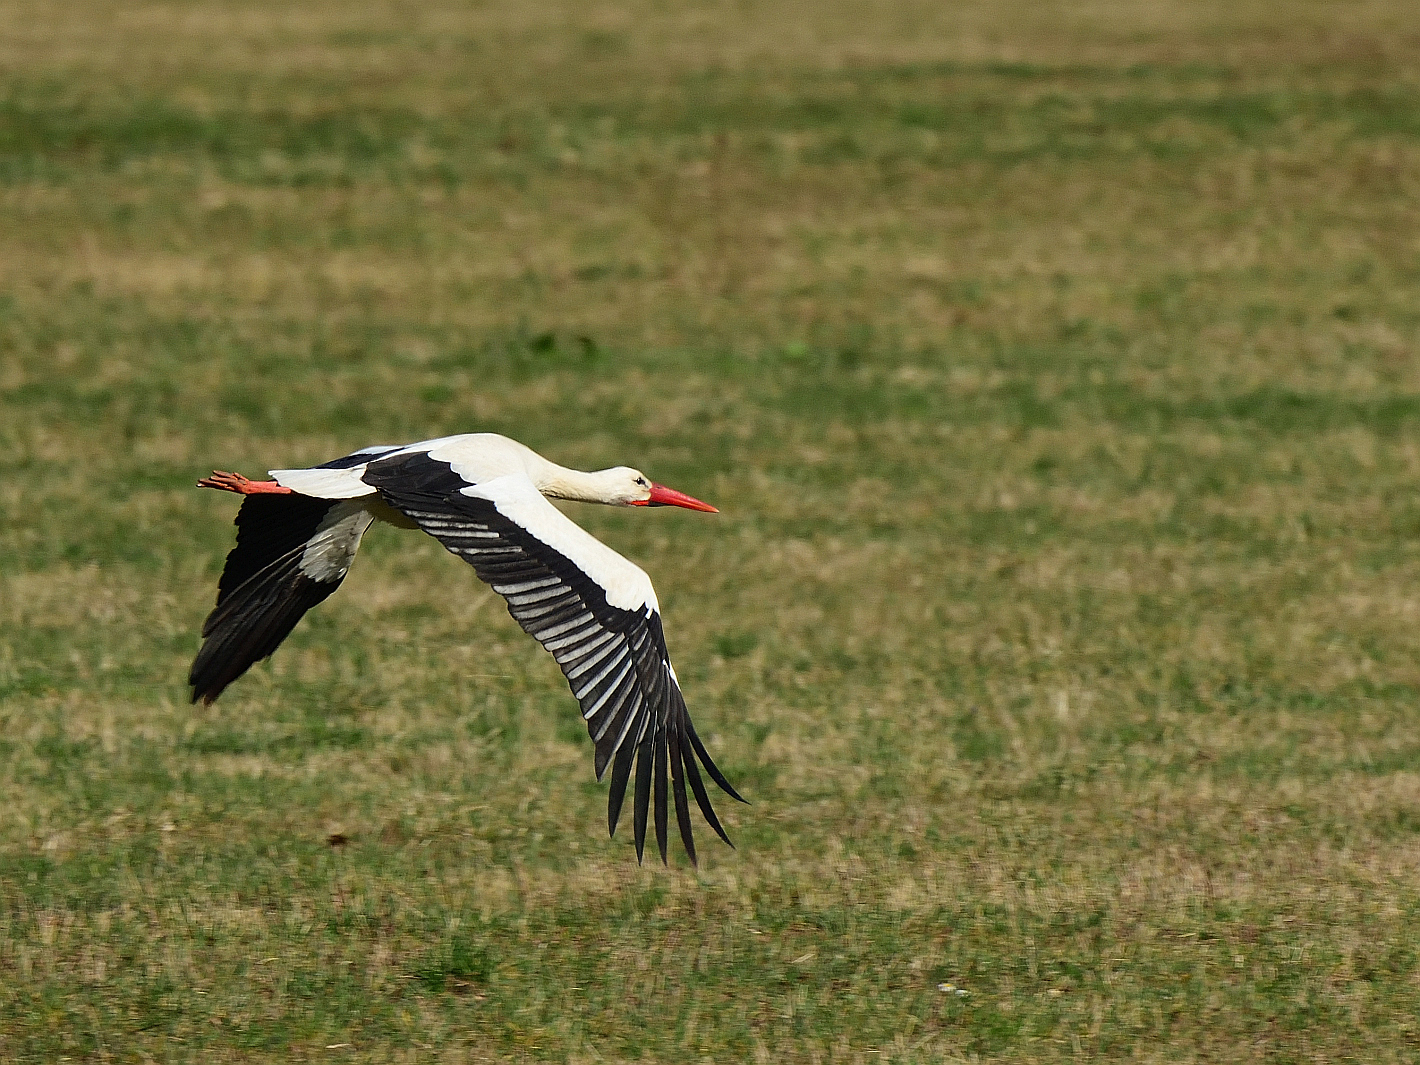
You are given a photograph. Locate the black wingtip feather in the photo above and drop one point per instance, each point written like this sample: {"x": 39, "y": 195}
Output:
{"x": 710, "y": 766}
{"x": 682, "y": 806}
{"x": 251, "y": 622}
{"x": 642, "y": 801}
{"x": 702, "y": 798}
{"x": 659, "y": 746}
{"x": 620, "y": 773}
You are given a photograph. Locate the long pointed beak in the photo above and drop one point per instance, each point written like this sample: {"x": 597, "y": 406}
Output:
{"x": 661, "y": 496}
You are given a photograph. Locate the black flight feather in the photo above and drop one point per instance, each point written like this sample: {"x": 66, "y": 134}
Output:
{"x": 620, "y": 774}
{"x": 641, "y": 803}
{"x": 659, "y": 779}
{"x": 682, "y": 807}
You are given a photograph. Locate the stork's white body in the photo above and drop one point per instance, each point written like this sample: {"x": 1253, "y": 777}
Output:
{"x": 476, "y": 457}
{"x": 518, "y": 482}
{"x": 486, "y": 498}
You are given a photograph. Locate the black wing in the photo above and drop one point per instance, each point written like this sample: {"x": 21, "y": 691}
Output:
{"x": 614, "y": 659}
{"x": 292, "y": 552}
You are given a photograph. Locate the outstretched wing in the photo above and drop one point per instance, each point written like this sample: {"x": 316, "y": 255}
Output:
{"x": 592, "y": 609}
{"x": 292, "y": 552}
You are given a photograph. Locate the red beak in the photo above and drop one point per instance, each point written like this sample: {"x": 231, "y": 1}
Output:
{"x": 661, "y": 496}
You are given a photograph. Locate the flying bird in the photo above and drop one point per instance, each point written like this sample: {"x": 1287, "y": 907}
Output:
{"x": 485, "y": 498}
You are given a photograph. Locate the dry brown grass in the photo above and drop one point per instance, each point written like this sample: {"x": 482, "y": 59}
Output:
{"x": 1054, "y": 366}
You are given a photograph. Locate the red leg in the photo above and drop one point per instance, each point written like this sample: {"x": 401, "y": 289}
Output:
{"x": 235, "y": 482}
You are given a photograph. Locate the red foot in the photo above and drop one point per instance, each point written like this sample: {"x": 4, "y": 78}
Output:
{"x": 235, "y": 482}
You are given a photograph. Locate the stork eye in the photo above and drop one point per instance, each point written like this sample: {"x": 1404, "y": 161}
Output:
{"x": 642, "y": 482}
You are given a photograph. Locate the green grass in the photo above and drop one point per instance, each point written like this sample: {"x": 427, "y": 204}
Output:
{"x": 1054, "y": 369}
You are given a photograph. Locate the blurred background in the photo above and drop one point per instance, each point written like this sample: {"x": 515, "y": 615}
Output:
{"x": 1054, "y": 367}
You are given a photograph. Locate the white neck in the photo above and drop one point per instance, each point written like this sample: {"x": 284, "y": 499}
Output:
{"x": 558, "y": 482}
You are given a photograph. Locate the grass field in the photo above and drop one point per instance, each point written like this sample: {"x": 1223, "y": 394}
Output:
{"x": 1056, "y": 369}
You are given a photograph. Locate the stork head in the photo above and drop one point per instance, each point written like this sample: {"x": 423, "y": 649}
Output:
{"x": 634, "y": 489}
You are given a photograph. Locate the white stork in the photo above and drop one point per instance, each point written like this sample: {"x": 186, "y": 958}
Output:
{"x": 485, "y": 498}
